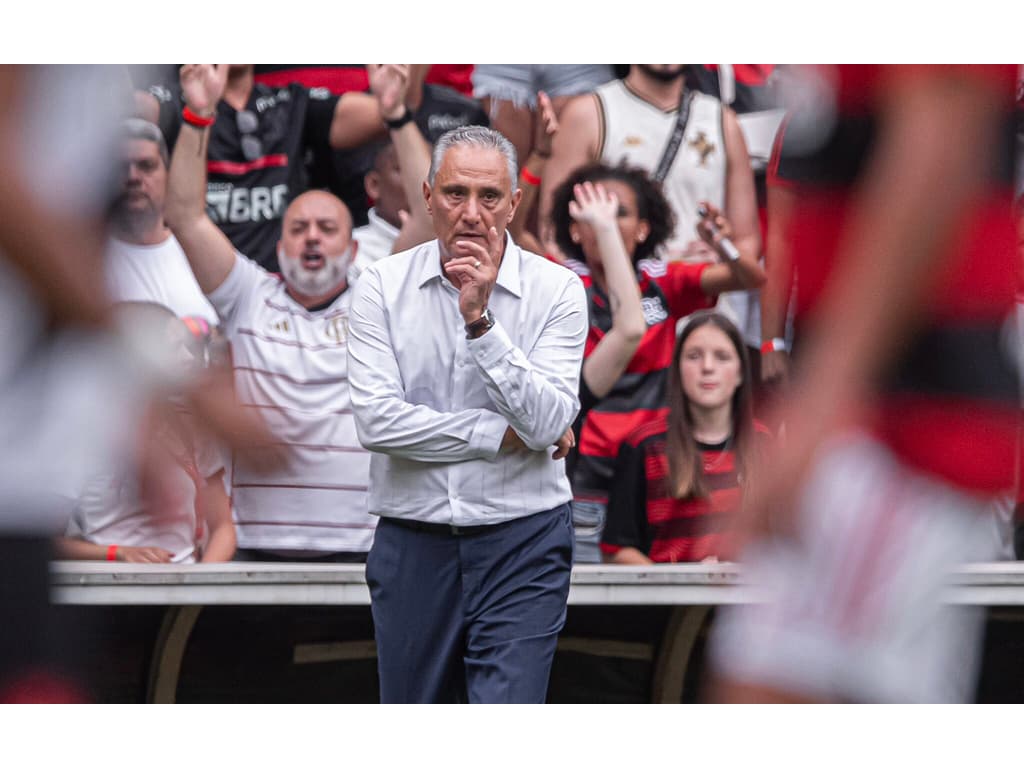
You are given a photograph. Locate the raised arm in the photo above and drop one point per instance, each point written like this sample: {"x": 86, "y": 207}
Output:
{"x": 209, "y": 252}
{"x": 738, "y": 222}
{"x": 598, "y": 208}
{"x": 575, "y": 144}
{"x": 546, "y": 126}
{"x": 389, "y": 83}
{"x": 385, "y": 422}
{"x": 778, "y": 286}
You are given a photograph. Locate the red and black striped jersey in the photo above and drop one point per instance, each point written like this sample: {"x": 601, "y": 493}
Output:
{"x": 643, "y": 514}
{"x": 668, "y": 292}
{"x": 949, "y": 401}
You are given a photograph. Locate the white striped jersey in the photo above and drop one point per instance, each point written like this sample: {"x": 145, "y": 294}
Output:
{"x": 292, "y": 364}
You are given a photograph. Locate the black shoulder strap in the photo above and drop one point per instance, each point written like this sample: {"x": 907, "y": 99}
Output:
{"x": 676, "y": 138}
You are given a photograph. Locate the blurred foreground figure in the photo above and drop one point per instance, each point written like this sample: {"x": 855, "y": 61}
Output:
{"x": 893, "y": 187}
{"x": 68, "y": 384}
{"x": 74, "y": 384}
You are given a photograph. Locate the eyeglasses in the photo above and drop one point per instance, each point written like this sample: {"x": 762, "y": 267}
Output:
{"x": 248, "y": 124}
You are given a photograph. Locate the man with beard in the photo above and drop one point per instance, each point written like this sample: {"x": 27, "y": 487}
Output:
{"x": 289, "y": 338}
{"x": 144, "y": 261}
{"x": 633, "y": 121}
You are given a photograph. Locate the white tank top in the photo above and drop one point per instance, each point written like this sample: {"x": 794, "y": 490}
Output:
{"x": 636, "y": 132}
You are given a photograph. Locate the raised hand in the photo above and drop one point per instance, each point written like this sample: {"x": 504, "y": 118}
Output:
{"x": 202, "y": 86}
{"x": 594, "y": 205}
{"x": 713, "y": 228}
{"x": 389, "y": 83}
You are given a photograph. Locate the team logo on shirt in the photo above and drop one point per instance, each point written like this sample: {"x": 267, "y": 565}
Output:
{"x": 337, "y": 329}
{"x": 654, "y": 310}
{"x": 633, "y": 141}
{"x": 281, "y": 326}
{"x": 704, "y": 147}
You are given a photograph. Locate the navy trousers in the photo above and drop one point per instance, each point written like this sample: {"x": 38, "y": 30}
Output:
{"x": 470, "y": 618}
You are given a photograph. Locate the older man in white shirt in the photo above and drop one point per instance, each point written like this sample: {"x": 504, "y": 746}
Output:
{"x": 464, "y": 366}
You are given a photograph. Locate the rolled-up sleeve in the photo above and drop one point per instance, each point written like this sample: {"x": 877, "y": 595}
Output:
{"x": 536, "y": 391}
{"x": 385, "y": 422}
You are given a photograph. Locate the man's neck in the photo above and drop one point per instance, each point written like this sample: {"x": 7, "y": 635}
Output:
{"x": 712, "y": 426}
{"x": 663, "y": 95}
{"x": 316, "y": 303}
{"x": 238, "y": 87}
{"x": 153, "y": 235}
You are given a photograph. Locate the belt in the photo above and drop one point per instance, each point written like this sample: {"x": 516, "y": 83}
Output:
{"x": 445, "y": 529}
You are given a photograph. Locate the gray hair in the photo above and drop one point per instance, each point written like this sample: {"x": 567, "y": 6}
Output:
{"x": 137, "y": 128}
{"x": 475, "y": 136}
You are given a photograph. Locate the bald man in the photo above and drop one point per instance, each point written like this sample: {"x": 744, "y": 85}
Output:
{"x": 289, "y": 343}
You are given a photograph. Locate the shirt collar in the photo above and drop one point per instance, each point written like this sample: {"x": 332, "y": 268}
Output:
{"x": 376, "y": 221}
{"x": 508, "y": 272}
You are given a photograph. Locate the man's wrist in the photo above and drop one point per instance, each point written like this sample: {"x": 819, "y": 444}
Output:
{"x": 481, "y": 325}
{"x": 399, "y": 120}
{"x": 199, "y": 118}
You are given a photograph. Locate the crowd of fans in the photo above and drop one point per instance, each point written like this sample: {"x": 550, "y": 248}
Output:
{"x": 646, "y": 240}
{"x": 258, "y": 210}
{"x": 657, "y": 202}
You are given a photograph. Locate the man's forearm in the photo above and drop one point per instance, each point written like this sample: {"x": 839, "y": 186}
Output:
{"x": 186, "y": 184}
{"x": 413, "y": 155}
{"x": 209, "y": 252}
{"x": 535, "y": 407}
{"x": 419, "y": 433}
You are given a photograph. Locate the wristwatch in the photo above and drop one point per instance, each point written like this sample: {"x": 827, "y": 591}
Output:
{"x": 398, "y": 122}
{"x": 480, "y": 326}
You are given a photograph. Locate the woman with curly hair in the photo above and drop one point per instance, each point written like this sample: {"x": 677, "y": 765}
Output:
{"x": 621, "y": 390}
{"x": 679, "y": 478}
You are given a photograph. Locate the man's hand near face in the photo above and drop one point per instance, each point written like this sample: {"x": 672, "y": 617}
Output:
{"x": 474, "y": 269}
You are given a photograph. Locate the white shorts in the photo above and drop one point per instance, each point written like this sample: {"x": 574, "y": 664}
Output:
{"x": 854, "y": 606}
{"x": 519, "y": 83}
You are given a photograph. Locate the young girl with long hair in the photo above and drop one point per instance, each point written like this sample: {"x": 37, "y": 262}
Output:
{"x": 680, "y": 478}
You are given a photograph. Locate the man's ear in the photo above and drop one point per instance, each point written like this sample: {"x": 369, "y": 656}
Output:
{"x": 371, "y": 184}
{"x": 426, "y": 197}
{"x": 517, "y": 196}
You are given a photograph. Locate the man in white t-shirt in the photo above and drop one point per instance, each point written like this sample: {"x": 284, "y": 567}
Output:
{"x": 289, "y": 338}
{"x": 144, "y": 261}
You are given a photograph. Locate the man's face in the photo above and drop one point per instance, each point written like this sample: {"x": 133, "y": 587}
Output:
{"x": 666, "y": 73}
{"x": 472, "y": 192}
{"x": 315, "y": 247}
{"x": 384, "y": 185}
{"x": 143, "y": 180}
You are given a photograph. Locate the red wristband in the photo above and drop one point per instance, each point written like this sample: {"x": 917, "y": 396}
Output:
{"x": 773, "y": 345}
{"x": 529, "y": 178}
{"x": 197, "y": 121}
{"x": 112, "y": 552}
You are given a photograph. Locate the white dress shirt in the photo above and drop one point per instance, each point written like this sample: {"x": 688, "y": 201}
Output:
{"x": 434, "y": 406}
